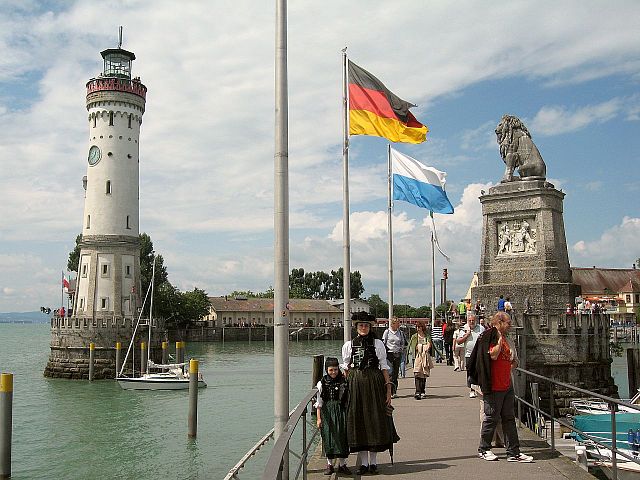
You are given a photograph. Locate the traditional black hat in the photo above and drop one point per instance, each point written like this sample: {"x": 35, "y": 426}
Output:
{"x": 330, "y": 362}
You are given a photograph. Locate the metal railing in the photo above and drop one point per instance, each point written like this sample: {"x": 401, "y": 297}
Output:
{"x": 274, "y": 467}
{"x": 277, "y": 468}
{"x": 611, "y": 402}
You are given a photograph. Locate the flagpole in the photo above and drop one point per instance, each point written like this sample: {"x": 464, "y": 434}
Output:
{"x": 346, "y": 241}
{"x": 281, "y": 232}
{"x": 433, "y": 277}
{"x": 62, "y": 291}
{"x": 389, "y": 213}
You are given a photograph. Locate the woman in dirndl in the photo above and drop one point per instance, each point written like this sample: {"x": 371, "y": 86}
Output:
{"x": 369, "y": 423}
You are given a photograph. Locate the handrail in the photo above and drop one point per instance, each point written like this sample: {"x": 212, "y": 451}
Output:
{"x": 578, "y": 389}
{"x": 612, "y": 402}
{"x": 236, "y": 468}
{"x": 272, "y": 468}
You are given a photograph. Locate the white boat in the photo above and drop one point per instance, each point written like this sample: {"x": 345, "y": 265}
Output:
{"x": 595, "y": 406}
{"x": 172, "y": 376}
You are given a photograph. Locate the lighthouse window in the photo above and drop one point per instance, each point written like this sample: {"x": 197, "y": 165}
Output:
{"x": 88, "y": 221}
{"x": 128, "y": 226}
{"x": 84, "y": 274}
{"x": 111, "y": 118}
{"x": 105, "y": 270}
{"x": 94, "y": 121}
{"x": 130, "y": 118}
{"x": 108, "y": 188}
{"x": 127, "y": 270}
{"x": 104, "y": 303}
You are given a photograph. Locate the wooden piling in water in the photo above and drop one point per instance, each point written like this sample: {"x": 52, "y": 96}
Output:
{"x": 6, "y": 421}
{"x": 92, "y": 348}
{"x": 180, "y": 347}
{"x": 165, "y": 352}
{"x": 143, "y": 358}
{"x": 633, "y": 370}
{"x": 118, "y": 358}
{"x": 193, "y": 398}
{"x": 318, "y": 369}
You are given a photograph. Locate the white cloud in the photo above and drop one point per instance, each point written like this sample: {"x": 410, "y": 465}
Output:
{"x": 616, "y": 247}
{"x": 556, "y": 120}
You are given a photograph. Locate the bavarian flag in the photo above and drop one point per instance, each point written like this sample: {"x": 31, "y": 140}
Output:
{"x": 374, "y": 110}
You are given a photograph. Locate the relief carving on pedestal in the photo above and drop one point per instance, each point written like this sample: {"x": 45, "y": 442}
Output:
{"x": 516, "y": 237}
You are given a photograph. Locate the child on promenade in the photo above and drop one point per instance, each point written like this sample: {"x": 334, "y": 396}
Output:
{"x": 332, "y": 416}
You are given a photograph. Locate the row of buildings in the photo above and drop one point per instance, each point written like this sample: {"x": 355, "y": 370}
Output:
{"x": 616, "y": 289}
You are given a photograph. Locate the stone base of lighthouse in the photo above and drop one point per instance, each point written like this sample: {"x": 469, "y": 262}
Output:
{"x": 70, "y": 339}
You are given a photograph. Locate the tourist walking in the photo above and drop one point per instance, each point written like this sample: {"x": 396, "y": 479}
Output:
{"x": 436, "y": 339}
{"x": 369, "y": 426}
{"x": 458, "y": 349}
{"x": 395, "y": 343}
{"x": 501, "y": 301}
{"x": 331, "y": 417}
{"x": 508, "y": 308}
{"x": 469, "y": 339}
{"x": 447, "y": 338}
{"x": 491, "y": 362}
{"x": 420, "y": 348}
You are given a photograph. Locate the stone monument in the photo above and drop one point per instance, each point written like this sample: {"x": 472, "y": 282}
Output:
{"x": 524, "y": 257}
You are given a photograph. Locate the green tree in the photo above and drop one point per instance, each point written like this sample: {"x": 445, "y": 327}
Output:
{"x": 378, "y": 307}
{"x": 74, "y": 256}
{"x": 147, "y": 255}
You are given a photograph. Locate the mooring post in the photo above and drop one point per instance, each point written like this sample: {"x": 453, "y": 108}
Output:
{"x": 317, "y": 371}
{"x": 92, "y": 347}
{"x": 6, "y": 414}
{"x": 193, "y": 398}
{"x": 118, "y": 358}
{"x": 180, "y": 352}
{"x": 143, "y": 358}
{"x": 165, "y": 354}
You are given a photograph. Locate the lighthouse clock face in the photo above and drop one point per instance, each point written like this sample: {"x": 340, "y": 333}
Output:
{"x": 94, "y": 155}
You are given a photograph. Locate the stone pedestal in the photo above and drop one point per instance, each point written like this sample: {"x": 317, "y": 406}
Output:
{"x": 524, "y": 257}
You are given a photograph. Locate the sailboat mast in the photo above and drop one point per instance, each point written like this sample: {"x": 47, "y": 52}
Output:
{"x": 153, "y": 277}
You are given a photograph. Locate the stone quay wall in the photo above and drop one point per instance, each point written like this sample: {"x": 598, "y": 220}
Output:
{"x": 71, "y": 336}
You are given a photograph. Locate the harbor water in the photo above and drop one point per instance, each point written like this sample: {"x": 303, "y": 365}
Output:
{"x": 66, "y": 429}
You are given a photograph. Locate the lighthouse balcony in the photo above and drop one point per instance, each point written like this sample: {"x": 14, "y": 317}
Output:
{"x": 118, "y": 85}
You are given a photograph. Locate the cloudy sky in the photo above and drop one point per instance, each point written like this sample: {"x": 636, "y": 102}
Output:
{"x": 569, "y": 70}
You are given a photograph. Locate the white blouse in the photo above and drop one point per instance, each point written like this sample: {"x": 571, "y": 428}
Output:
{"x": 381, "y": 353}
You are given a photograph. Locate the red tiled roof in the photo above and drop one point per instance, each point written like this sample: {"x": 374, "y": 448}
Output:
{"x": 599, "y": 281}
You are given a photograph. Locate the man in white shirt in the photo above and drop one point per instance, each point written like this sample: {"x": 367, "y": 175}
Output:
{"x": 395, "y": 342}
{"x": 469, "y": 339}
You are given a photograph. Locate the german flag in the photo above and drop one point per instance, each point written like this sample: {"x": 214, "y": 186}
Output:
{"x": 374, "y": 110}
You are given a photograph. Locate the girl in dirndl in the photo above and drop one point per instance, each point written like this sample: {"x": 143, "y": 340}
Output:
{"x": 332, "y": 417}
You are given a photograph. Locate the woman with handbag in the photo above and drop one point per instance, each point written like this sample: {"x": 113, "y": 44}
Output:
{"x": 420, "y": 348}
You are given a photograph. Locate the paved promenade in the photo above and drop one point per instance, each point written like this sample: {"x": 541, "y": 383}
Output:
{"x": 440, "y": 435}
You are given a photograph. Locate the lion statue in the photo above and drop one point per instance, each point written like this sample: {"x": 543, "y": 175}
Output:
{"x": 518, "y": 150}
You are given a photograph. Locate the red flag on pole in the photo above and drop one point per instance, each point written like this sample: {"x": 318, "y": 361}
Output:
{"x": 65, "y": 282}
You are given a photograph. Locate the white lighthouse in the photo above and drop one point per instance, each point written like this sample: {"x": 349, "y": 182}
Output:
{"x": 109, "y": 269}
{"x": 107, "y": 293}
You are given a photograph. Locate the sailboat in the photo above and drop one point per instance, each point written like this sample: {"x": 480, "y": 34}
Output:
{"x": 172, "y": 376}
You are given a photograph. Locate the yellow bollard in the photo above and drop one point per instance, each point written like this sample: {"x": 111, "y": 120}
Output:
{"x": 193, "y": 398}
{"x": 92, "y": 347}
{"x": 118, "y": 359}
{"x": 143, "y": 358}
{"x": 165, "y": 353}
{"x": 6, "y": 414}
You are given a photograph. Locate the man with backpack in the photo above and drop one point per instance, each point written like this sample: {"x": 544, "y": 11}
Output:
{"x": 395, "y": 343}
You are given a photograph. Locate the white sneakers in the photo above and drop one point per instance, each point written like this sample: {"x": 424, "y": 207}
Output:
{"x": 521, "y": 458}
{"x": 473, "y": 394}
{"x": 488, "y": 455}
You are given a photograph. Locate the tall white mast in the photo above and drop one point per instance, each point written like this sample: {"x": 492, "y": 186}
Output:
{"x": 389, "y": 213}
{"x": 346, "y": 238}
